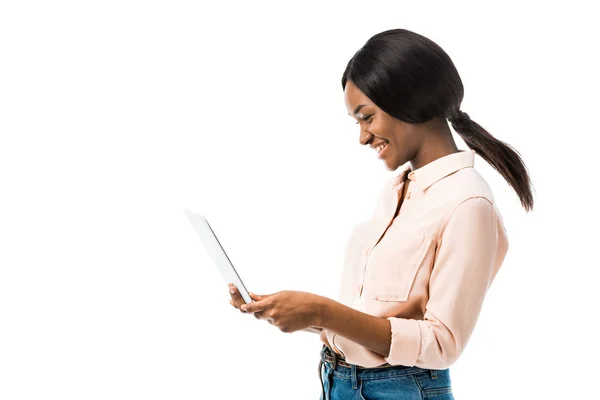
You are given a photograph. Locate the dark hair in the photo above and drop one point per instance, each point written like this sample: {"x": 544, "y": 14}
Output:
{"x": 412, "y": 79}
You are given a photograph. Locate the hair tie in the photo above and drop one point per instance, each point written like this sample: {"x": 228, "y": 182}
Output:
{"x": 459, "y": 116}
{"x": 459, "y": 120}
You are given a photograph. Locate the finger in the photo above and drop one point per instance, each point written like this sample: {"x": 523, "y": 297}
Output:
{"x": 236, "y": 297}
{"x": 259, "y": 315}
{"x": 260, "y": 305}
{"x": 233, "y": 304}
{"x": 257, "y": 297}
{"x": 235, "y": 294}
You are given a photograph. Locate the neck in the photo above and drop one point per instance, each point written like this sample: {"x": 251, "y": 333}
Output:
{"x": 438, "y": 142}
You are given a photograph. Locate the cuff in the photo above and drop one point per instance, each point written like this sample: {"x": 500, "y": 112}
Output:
{"x": 406, "y": 342}
{"x": 330, "y": 337}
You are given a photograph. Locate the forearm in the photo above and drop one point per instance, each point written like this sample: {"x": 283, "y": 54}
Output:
{"x": 367, "y": 330}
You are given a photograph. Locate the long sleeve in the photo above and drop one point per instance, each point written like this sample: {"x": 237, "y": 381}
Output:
{"x": 471, "y": 247}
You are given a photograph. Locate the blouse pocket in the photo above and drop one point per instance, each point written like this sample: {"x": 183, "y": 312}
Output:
{"x": 393, "y": 269}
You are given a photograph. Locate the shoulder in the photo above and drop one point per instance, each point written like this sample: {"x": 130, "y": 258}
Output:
{"x": 467, "y": 197}
{"x": 462, "y": 185}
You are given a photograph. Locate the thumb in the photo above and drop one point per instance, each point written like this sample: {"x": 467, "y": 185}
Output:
{"x": 258, "y": 297}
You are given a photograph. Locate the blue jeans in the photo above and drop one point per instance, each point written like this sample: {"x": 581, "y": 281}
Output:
{"x": 396, "y": 382}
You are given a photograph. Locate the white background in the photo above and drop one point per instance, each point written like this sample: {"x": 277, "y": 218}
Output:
{"x": 115, "y": 116}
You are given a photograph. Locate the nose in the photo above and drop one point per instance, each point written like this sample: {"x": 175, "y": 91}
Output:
{"x": 365, "y": 137}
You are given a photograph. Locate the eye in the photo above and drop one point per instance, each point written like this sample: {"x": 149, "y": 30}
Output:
{"x": 366, "y": 118}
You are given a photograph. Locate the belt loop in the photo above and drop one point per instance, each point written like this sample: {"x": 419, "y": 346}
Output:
{"x": 329, "y": 374}
{"x": 335, "y": 356}
{"x": 433, "y": 373}
{"x": 353, "y": 376}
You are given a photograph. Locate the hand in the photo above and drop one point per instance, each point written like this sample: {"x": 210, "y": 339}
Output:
{"x": 237, "y": 300}
{"x": 288, "y": 310}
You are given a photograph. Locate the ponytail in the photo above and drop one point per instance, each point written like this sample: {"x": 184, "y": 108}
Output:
{"x": 411, "y": 78}
{"x": 501, "y": 156}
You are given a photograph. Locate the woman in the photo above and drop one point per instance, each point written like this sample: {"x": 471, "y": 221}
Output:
{"x": 415, "y": 275}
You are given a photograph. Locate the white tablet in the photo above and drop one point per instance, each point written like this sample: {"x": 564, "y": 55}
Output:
{"x": 215, "y": 250}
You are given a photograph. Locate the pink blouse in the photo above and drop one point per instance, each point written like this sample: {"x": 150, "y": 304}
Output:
{"x": 428, "y": 269}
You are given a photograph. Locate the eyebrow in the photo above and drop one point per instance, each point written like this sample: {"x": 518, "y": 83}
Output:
{"x": 358, "y": 108}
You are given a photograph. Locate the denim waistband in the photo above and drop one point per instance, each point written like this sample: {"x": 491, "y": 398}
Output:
{"x": 330, "y": 367}
{"x": 352, "y": 371}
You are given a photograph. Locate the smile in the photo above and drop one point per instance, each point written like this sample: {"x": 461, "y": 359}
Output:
{"x": 380, "y": 150}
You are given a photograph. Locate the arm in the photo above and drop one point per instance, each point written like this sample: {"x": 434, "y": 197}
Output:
{"x": 364, "y": 329}
{"x": 468, "y": 254}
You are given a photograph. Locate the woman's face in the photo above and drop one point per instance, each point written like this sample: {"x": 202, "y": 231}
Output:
{"x": 377, "y": 127}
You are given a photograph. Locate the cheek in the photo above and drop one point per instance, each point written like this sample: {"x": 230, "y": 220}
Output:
{"x": 381, "y": 129}
{"x": 399, "y": 139}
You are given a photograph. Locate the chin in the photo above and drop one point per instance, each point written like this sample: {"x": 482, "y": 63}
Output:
{"x": 390, "y": 163}
{"x": 391, "y": 166}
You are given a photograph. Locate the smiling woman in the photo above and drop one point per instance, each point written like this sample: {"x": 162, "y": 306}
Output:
{"x": 415, "y": 275}
{"x": 402, "y": 87}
